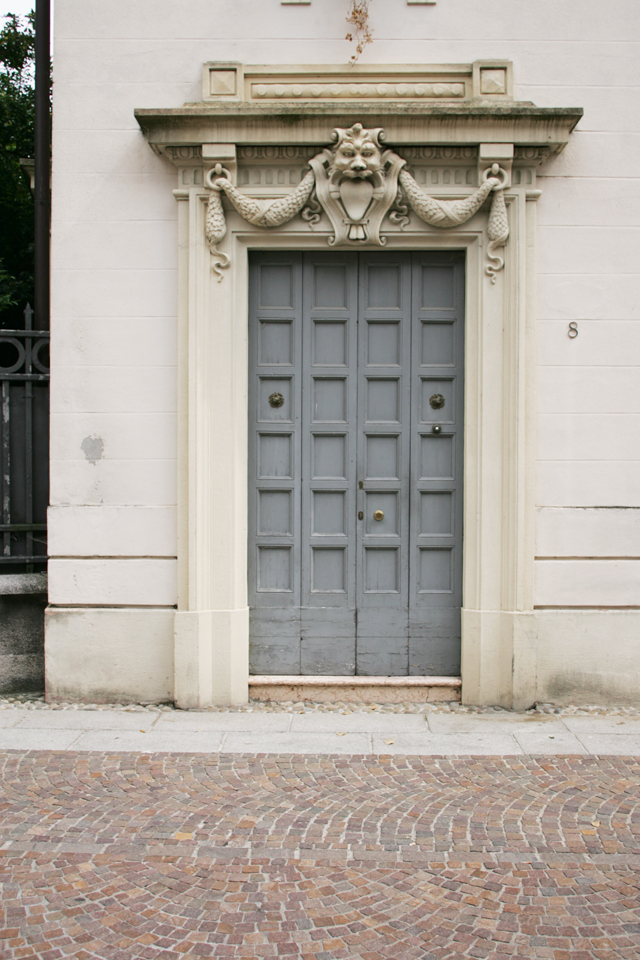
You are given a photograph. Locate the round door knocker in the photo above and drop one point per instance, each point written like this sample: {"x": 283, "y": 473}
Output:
{"x": 436, "y": 401}
{"x": 276, "y": 399}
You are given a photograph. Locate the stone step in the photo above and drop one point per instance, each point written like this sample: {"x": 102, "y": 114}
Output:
{"x": 355, "y": 689}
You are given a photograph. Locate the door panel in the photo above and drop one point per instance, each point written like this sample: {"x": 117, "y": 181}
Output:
{"x": 329, "y": 365}
{"x": 383, "y": 424}
{"x": 275, "y": 401}
{"x": 347, "y": 354}
{"x": 435, "y": 595}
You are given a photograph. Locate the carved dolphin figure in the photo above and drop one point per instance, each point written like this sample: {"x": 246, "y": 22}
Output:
{"x": 445, "y": 213}
{"x": 268, "y": 213}
{"x": 498, "y": 233}
{"x": 262, "y": 213}
{"x": 215, "y": 230}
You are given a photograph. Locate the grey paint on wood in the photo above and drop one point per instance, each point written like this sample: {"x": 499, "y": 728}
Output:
{"x": 355, "y": 345}
{"x": 329, "y": 368}
{"x": 384, "y": 442}
{"x": 437, "y": 358}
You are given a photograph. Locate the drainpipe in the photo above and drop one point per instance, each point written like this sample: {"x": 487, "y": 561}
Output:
{"x": 42, "y": 191}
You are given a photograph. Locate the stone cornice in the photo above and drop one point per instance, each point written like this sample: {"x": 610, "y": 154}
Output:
{"x": 405, "y": 123}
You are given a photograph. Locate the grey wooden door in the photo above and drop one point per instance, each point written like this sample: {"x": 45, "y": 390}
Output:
{"x": 355, "y": 459}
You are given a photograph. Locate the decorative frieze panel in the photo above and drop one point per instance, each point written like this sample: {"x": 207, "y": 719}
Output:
{"x": 263, "y": 180}
{"x": 265, "y": 175}
{"x": 434, "y": 153}
{"x": 484, "y": 80}
{"x": 191, "y": 176}
{"x": 524, "y": 177}
{"x": 445, "y": 176}
{"x": 186, "y": 154}
{"x": 355, "y": 91}
{"x": 534, "y": 155}
{"x": 268, "y": 153}
{"x": 265, "y": 168}
{"x": 270, "y": 176}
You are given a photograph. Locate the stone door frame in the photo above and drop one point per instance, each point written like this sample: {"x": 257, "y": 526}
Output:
{"x": 212, "y": 621}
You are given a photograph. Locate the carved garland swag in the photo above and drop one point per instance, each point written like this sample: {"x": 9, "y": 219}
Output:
{"x": 356, "y": 183}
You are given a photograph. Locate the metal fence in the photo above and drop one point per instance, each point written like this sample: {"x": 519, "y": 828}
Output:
{"x": 24, "y": 380}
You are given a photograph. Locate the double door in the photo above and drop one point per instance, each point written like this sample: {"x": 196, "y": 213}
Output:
{"x": 355, "y": 463}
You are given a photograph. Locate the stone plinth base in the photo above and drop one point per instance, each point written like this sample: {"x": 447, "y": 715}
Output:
{"x": 109, "y": 654}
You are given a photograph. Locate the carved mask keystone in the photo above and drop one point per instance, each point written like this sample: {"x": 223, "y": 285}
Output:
{"x": 356, "y": 183}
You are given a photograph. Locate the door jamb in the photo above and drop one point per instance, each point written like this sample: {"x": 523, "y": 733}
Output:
{"x": 211, "y": 632}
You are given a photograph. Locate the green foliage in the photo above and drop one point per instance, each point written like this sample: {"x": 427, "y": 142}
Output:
{"x": 17, "y": 107}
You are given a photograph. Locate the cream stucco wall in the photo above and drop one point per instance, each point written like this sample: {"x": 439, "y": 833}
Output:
{"x": 115, "y": 302}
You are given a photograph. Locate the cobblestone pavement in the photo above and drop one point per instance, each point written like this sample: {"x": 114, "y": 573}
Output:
{"x": 115, "y": 856}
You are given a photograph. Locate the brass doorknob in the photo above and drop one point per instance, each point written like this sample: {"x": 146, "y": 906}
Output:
{"x": 378, "y": 514}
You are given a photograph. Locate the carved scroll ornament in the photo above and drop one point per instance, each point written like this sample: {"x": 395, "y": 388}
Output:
{"x": 357, "y": 182}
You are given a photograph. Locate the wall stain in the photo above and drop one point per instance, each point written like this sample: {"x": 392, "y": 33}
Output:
{"x": 581, "y": 688}
{"x": 93, "y": 449}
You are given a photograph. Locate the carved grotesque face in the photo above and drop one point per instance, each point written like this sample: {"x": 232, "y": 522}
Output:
{"x": 357, "y": 153}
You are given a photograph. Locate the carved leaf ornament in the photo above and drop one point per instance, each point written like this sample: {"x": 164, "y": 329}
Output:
{"x": 357, "y": 182}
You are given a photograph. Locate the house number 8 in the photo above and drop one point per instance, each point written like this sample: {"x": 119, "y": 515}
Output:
{"x": 573, "y": 330}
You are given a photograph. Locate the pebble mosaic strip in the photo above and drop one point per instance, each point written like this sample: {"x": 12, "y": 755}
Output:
{"x": 31, "y": 701}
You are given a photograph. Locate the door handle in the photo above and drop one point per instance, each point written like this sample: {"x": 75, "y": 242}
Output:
{"x": 378, "y": 514}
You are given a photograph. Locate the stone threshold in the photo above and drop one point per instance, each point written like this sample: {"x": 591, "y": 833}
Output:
{"x": 355, "y": 689}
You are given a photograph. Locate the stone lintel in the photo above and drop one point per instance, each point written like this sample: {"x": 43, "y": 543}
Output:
{"x": 522, "y": 124}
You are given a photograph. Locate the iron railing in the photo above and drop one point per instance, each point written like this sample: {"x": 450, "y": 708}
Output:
{"x": 24, "y": 383}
